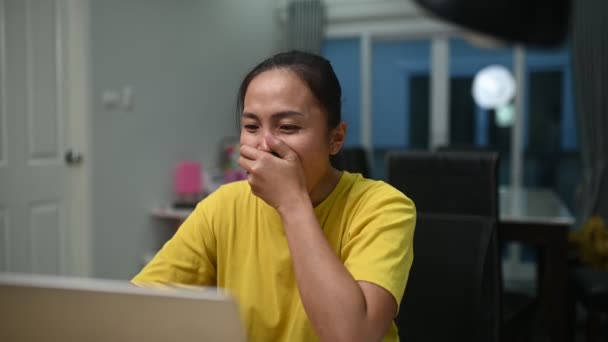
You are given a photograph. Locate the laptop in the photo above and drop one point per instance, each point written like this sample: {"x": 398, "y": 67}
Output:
{"x": 48, "y": 308}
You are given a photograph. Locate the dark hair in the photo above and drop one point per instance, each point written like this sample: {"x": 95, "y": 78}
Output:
{"x": 314, "y": 70}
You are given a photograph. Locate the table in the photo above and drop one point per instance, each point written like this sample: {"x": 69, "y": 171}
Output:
{"x": 538, "y": 217}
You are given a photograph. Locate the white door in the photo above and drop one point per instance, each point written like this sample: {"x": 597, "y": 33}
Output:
{"x": 35, "y": 184}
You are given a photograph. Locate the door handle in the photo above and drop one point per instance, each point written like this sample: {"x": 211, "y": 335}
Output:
{"x": 73, "y": 158}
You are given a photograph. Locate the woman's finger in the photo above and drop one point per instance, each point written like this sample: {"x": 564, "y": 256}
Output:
{"x": 279, "y": 147}
{"x": 246, "y": 164}
{"x": 249, "y": 152}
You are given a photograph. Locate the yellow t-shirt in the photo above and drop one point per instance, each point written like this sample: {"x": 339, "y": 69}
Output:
{"x": 235, "y": 241}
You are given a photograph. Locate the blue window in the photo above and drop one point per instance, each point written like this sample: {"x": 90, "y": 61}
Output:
{"x": 345, "y": 57}
{"x": 400, "y": 94}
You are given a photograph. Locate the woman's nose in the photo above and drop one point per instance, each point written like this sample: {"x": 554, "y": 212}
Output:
{"x": 262, "y": 145}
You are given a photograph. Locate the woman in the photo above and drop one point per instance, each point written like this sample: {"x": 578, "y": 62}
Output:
{"x": 308, "y": 251}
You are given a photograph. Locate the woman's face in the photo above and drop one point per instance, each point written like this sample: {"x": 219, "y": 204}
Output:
{"x": 278, "y": 102}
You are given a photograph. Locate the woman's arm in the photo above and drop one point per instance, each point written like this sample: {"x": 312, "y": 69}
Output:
{"x": 339, "y": 308}
{"x": 188, "y": 257}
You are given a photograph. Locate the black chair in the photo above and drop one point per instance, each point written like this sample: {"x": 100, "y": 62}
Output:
{"x": 460, "y": 183}
{"x": 590, "y": 288}
{"x": 454, "y": 285}
{"x": 352, "y": 159}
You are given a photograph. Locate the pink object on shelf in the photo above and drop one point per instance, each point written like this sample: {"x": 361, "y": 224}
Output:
{"x": 188, "y": 178}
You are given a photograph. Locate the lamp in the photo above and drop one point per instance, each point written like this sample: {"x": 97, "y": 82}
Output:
{"x": 494, "y": 88}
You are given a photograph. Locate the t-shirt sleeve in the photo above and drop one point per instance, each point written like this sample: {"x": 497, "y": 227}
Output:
{"x": 189, "y": 257}
{"x": 379, "y": 249}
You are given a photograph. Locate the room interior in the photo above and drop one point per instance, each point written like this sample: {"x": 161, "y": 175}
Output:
{"x": 139, "y": 87}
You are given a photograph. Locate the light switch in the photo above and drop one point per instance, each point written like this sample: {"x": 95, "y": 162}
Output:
{"x": 110, "y": 99}
{"x": 127, "y": 98}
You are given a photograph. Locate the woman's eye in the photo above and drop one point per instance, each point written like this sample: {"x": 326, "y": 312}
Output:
{"x": 289, "y": 128}
{"x": 250, "y": 128}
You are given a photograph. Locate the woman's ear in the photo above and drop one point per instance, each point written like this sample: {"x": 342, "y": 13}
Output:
{"x": 337, "y": 137}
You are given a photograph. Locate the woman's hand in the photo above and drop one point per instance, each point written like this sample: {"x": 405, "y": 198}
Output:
{"x": 276, "y": 177}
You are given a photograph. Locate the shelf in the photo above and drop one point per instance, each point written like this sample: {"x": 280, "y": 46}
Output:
{"x": 166, "y": 213}
{"x": 169, "y": 213}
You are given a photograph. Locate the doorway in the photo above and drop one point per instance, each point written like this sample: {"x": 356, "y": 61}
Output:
{"x": 44, "y": 202}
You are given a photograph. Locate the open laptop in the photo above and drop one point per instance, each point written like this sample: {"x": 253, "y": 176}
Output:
{"x": 44, "y": 308}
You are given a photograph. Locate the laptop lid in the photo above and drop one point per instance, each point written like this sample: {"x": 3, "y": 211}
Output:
{"x": 45, "y": 308}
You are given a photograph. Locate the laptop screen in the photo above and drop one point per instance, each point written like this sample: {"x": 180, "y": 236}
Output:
{"x": 73, "y": 309}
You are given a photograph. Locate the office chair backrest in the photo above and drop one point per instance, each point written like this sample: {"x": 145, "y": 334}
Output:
{"x": 462, "y": 183}
{"x": 454, "y": 287}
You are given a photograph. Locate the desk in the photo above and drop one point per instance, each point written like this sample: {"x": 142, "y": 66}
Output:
{"x": 170, "y": 213}
{"x": 538, "y": 217}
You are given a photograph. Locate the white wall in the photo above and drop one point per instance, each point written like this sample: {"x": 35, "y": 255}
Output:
{"x": 184, "y": 60}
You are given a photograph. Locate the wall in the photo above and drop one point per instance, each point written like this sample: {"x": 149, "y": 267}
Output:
{"x": 184, "y": 60}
